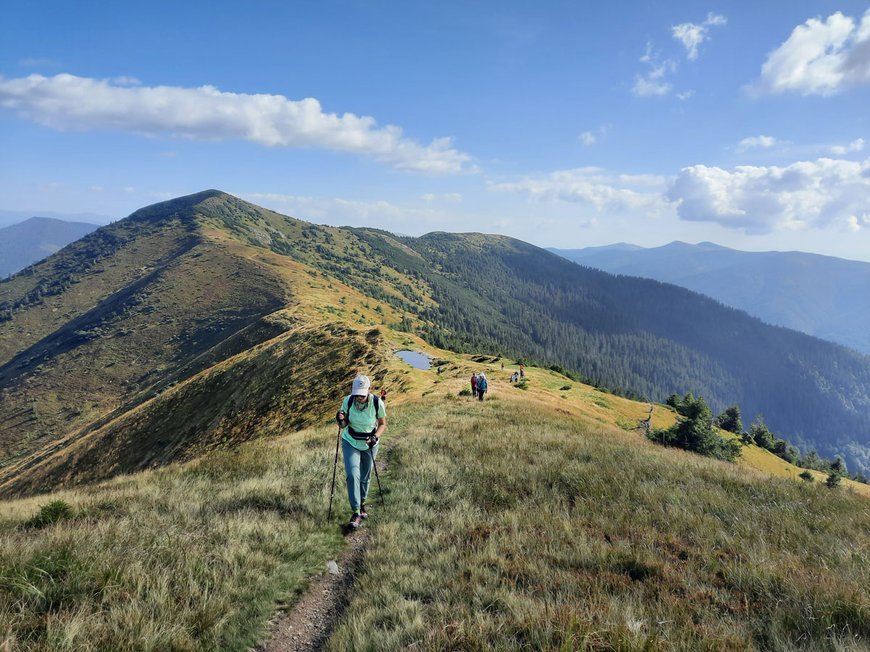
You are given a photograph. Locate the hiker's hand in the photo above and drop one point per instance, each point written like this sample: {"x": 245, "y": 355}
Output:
{"x": 373, "y": 441}
{"x": 340, "y": 417}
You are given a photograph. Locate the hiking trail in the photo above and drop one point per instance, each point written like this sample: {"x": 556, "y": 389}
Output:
{"x": 308, "y": 624}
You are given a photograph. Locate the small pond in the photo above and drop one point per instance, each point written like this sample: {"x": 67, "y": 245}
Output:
{"x": 415, "y": 359}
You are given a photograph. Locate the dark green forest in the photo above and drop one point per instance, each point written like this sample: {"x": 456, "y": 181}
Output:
{"x": 499, "y": 296}
{"x": 642, "y": 338}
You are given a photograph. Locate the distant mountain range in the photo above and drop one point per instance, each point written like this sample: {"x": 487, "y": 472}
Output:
{"x": 205, "y": 321}
{"x": 819, "y": 295}
{"x": 36, "y": 238}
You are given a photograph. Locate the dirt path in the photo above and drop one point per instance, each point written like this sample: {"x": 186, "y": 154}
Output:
{"x": 309, "y": 623}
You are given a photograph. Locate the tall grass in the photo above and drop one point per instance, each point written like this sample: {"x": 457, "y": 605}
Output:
{"x": 511, "y": 530}
{"x": 187, "y": 558}
{"x": 508, "y": 526}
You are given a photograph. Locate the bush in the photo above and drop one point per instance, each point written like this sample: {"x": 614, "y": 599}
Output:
{"x": 564, "y": 388}
{"x": 523, "y": 384}
{"x": 730, "y": 420}
{"x": 833, "y": 480}
{"x": 465, "y": 392}
{"x": 761, "y": 435}
{"x": 56, "y": 510}
{"x": 695, "y": 433}
{"x": 807, "y": 476}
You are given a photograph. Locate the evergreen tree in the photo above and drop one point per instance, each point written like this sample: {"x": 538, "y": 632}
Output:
{"x": 730, "y": 420}
{"x": 761, "y": 435}
{"x": 695, "y": 432}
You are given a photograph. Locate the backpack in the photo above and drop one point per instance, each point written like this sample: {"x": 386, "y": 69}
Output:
{"x": 360, "y": 436}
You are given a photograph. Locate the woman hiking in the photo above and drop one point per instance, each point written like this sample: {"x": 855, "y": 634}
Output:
{"x": 364, "y": 420}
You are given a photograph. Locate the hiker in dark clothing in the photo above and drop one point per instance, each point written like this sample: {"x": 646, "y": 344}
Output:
{"x": 474, "y": 385}
{"x": 481, "y": 385}
{"x": 364, "y": 420}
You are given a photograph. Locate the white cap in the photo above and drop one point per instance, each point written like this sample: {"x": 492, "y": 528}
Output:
{"x": 361, "y": 386}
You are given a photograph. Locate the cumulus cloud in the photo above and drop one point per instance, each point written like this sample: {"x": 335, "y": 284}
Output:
{"x": 763, "y": 142}
{"x": 819, "y": 57}
{"x": 587, "y": 138}
{"x": 822, "y": 193}
{"x": 206, "y": 113}
{"x": 855, "y": 146}
{"x": 692, "y": 35}
{"x": 591, "y": 185}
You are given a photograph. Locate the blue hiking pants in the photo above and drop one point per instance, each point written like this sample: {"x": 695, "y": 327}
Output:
{"x": 358, "y": 467}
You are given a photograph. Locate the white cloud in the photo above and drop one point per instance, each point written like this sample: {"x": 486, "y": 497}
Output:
{"x": 653, "y": 82}
{"x": 820, "y": 57}
{"x": 587, "y": 138}
{"x": 764, "y": 142}
{"x": 855, "y": 146}
{"x": 206, "y": 113}
{"x": 451, "y": 197}
{"x": 590, "y": 137}
{"x": 692, "y": 35}
{"x": 822, "y": 193}
{"x": 593, "y": 186}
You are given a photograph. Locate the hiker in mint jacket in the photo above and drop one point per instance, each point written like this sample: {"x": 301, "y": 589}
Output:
{"x": 364, "y": 420}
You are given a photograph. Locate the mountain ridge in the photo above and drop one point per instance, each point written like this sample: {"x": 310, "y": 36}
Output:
{"x": 195, "y": 282}
{"x": 819, "y": 295}
{"x": 26, "y": 242}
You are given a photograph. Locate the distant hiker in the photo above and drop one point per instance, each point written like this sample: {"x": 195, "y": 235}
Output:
{"x": 474, "y": 385}
{"x": 502, "y": 365}
{"x": 364, "y": 420}
{"x": 522, "y": 371}
{"x": 515, "y": 377}
{"x": 384, "y": 394}
{"x": 481, "y": 385}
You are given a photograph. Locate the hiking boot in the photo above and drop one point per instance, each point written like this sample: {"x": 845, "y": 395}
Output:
{"x": 355, "y": 521}
{"x": 362, "y": 511}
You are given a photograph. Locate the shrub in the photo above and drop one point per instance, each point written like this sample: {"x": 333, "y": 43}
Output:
{"x": 761, "y": 435}
{"x": 833, "y": 480}
{"x": 56, "y": 510}
{"x": 695, "y": 433}
{"x": 807, "y": 476}
{"x": 465, "y": 392}
{"x": 523, "y": 384}
{"x": 730, "y": 420}
{"x": 564, "y": 388}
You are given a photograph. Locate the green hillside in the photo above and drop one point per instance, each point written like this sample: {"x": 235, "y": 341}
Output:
{"x": 156, "y": 314}
{"x": 168, "y": 384}
{"x": 528, "y": 521}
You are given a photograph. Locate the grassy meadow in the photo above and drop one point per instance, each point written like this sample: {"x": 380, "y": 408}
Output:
{"x": 191, "y": 557}
{"x": 529, "y": 521}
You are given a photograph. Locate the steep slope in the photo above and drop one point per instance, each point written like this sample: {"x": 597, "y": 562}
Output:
{"x": 818, "y": 295}
{"x": 33, "y": 239}
{"x": 652, "y": 339}
{"x": 188, "y": 290}
{"x": 131, "y": 312}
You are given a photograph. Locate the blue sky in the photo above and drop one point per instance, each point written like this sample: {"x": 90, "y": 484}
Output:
{"x": 565, "y": 124}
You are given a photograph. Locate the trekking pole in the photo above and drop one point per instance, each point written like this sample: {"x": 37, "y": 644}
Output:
{"x": 378, "y": 478}
{"x": 334, "y": 467}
